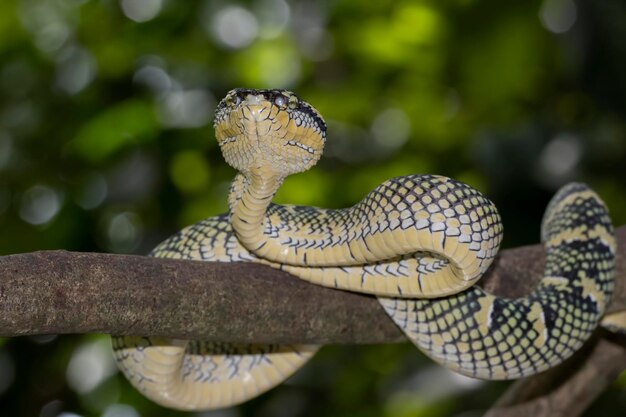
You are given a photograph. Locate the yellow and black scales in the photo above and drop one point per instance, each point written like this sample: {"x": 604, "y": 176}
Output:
{"x": 419, "y": 242}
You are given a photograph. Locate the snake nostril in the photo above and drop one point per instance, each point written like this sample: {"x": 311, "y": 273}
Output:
{"x": 293, "y": 102}
{"x": 233, "y": 100}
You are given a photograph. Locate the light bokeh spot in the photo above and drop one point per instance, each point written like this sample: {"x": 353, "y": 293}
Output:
{"x": 90, "y": 364}
{"x": 157, "y": 79}
{"x": 391, "y": 128}
{"x": 76, "y": 69}
{"x": 40, "y": 204}
{"x": 234, "y": 27}
{"x": 93, "y": 191}
{"x": 124, "y": 231}
{"x": 186, "y": 109}
{"x": 273, "y": 17}
{"x": 52, "y": 36}
{"x": 120, "y": 410}
{"x": 559, "y": 158}
{"x": 558, "y": 16}
{"x": 141, "y": 10}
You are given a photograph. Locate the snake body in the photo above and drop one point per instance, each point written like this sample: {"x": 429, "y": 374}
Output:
{"x": 419, "y": 242}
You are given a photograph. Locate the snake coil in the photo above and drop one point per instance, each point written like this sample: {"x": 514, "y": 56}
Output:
{"x": 418, "y": 242}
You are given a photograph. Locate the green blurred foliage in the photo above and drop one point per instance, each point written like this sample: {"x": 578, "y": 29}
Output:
{"x": 106, "y": 145}
{"x": 130, "y": 122}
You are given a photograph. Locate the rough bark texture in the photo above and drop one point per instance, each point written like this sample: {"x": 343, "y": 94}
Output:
{"x": 68, "y": 292}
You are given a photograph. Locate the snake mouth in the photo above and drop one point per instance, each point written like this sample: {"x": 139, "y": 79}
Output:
{"x": 300, "y": 145}
{"x": 230, "y": 139}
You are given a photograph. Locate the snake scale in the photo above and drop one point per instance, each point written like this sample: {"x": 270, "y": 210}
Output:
{"x": 418, "y": 242}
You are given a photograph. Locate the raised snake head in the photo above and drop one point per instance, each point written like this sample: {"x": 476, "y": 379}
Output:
{"x": 269, "y": 129}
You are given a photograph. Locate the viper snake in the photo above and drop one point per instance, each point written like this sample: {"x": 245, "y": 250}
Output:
{"x": 418, "y": 242}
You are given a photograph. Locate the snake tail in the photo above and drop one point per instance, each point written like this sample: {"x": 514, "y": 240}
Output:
{"x": 488, "y": 337}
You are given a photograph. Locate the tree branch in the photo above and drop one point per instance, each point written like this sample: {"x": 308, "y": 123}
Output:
{"x": 69, "y": 292}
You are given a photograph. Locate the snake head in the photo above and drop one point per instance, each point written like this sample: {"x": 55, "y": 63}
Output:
{"x": 270, "y": 129}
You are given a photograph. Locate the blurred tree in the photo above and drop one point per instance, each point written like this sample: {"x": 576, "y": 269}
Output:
{"x": 106, "y": 145}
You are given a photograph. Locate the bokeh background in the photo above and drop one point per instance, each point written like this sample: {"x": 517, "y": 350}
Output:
{"x": 106, "y": 145}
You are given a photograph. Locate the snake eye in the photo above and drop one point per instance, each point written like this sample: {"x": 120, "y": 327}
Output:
{"x": 280, "y": 100}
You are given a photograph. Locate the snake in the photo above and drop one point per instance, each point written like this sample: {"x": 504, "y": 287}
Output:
{"x": 418, "y": 242}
